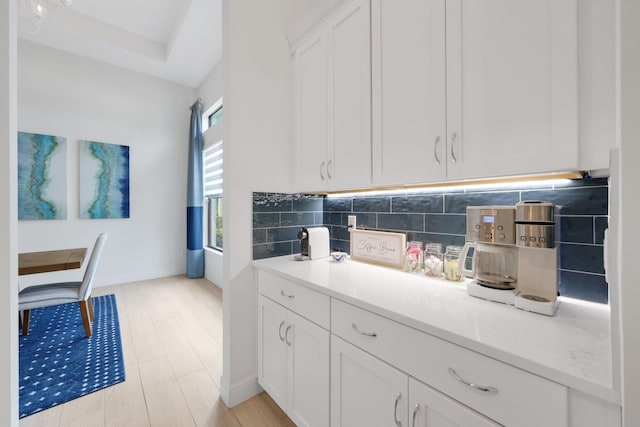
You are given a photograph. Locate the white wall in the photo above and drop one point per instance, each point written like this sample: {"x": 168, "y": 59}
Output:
{"x": 8, "y": 218}
{"x": 210, "y": 91}
{"x": 66, "y": 95}
{"x": 258, "y": 157}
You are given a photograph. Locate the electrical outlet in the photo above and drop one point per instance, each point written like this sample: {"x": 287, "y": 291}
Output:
{"x": 351, "y": 222}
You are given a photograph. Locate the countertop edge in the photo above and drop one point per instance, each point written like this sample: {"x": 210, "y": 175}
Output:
{"x": 601, "y": 391}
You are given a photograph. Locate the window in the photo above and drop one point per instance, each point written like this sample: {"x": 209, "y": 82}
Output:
{"x": 214, "y": 117}
{"x": 213, "y": 158}
{"x": 213, "y": 161}
{"x": 214, "y": 219}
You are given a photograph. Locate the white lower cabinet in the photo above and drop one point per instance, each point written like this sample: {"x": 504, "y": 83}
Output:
{"x": 497, "y": 390}
{"x": 328, "y": 362}
{"x": 293, "y": 363}
{"x": 364, "y": 390}
{"x": 272, "y": 350}
{"x": 430, "y": 408}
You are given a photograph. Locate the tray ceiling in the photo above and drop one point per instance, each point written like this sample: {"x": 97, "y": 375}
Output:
{"x": 175, "y": 40}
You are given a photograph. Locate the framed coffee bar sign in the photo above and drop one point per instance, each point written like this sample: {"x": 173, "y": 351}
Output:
{"x": 378, "y": 247}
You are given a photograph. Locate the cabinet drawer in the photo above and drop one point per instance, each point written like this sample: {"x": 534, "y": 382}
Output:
{"x": 502, "y": 392}
{"x": 297, "y": 298}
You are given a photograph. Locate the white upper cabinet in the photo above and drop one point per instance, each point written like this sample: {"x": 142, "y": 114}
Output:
{"x": 597, "y": 76}
{"x": 416, "y": 91}
{"x": 350, "y": 98}
{"x": 312, "y": 112}
{"x": 333, "y": 97}
{"x": 511, "y": 87}
{"x": 409, "y": 97}
{"x": 495, "y": 93}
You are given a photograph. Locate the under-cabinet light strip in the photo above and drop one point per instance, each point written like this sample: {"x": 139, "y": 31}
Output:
{"x": 475, "y": 183}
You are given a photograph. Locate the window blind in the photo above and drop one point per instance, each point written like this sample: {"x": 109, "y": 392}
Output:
{"x": 212, "y": 159}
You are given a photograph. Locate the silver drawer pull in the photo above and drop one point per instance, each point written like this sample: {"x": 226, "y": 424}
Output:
{"x": 415, "y": 412}
{"x": 482, "y": 388}
{"x": 286, "y": 335}
{"x": 395, "y": 410}
{"x": 453, "y": 142}
{"x": 368, "y": 334}
{"x": 280, "y": 331}
{"x": 290, "y": 296}
{"x": 435, "y": 150}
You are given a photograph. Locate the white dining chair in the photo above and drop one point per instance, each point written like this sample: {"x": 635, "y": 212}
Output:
{"x": 45, "y": 295}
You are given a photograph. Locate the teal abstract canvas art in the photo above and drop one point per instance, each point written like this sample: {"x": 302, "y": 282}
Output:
{"x": 104, "y": 180}
{"x": 42, "y": 176}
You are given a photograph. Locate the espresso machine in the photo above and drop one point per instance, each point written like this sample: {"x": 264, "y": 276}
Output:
{"x": 314, "y": 243}
{"x": 491, "y": 234}
{"x": 537, "y": 257}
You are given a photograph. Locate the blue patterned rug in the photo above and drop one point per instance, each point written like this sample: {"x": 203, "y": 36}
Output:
{"x": 58, "y": 363}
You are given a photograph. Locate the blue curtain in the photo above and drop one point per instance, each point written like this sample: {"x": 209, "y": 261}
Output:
{"x": 195, "y": 252}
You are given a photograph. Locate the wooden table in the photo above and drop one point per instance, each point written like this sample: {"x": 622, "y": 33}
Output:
{"x": 47, "y": 261}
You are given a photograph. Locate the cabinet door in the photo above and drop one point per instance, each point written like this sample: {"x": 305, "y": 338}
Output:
{"x": 511, "y": 86}
{"x": 311, "y": 73}
{"x": 272, "y": 350}
{"x": 364, "y": 390}
{"x": 349, "y": 164}
{"x": 408, "y": 86}
{"x": 597, "y": 74}
{"x": 430, "y": 408}
{"x": 308, "y": 373}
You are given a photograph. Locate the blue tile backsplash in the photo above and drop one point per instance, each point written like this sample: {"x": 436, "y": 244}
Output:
{"x": 439, "y": 216}
{"x": 277, "y": 218}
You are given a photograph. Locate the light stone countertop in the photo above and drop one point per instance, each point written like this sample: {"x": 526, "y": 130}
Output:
{"x": 572, "y": 348}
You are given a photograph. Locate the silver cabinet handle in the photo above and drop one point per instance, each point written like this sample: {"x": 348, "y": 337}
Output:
{"x": 395, "y": 410}
{"x": 415, "y": 412}
{"x": 368, "y": 334}
{"x": 321, "y": 171}
{"x": 286, "y": 335}
{"x": 328, "y": 169}
{"x": 290, "y": 296}
{"x": 482, "y": 388}
{"x": 454, "y": 136}
{"x": 435, "y": 150}
{"x": 280, "y": 331}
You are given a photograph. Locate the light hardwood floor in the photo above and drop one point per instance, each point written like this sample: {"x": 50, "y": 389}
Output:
{"x": 171, "y": 332}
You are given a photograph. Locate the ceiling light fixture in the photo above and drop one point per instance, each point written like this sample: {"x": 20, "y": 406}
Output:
{"x": 35, "y": 11}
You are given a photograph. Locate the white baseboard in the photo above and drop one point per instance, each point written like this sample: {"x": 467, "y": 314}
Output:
{"x": 118, "y": 279}
{"x": 234, "y": 394}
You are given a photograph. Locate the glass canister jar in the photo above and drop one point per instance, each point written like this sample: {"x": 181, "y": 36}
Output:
{"x": 433, "y": 259}
{"x": 451, "y": 258}
{"x": 413, "y": 257}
